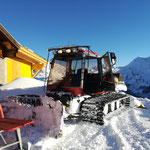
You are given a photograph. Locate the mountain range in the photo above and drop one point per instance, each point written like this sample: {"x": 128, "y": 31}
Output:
{"x": 137, "y": 77}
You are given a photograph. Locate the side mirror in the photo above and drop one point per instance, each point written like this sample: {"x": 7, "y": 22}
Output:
{"x": 113, "y": 58}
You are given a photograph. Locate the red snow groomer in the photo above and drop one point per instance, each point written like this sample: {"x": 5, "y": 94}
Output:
{"x": 83, "y": 81}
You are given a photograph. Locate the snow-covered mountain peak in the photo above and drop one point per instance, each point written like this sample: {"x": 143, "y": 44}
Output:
{"x": 141, "y": 61}
{"x": 137, "y": 76}
{"x": 139, "y": 68}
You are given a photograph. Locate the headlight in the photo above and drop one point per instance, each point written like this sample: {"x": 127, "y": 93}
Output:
{"x": 60, "y": 52}
{"x": 68, "y": 50}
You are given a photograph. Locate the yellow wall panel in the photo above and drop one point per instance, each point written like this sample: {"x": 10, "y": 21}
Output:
{"x": 9, "y": 70}
{"x": 15, "y": 69}
{"x": 25, "y": 70}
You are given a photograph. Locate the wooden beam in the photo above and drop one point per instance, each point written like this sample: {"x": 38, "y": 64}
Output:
{"x": 2, "y": 47}
{"x": 37, "y": 66}
{"x": 31, "y": 54}
{"x": 7, "y": 52}
{"x": 35, "y": 73}
{"x": 26, "y": 58}
{"x": 0, "y": 53}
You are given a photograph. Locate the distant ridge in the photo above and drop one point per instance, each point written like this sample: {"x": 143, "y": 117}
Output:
{"x": 137, "y": 76}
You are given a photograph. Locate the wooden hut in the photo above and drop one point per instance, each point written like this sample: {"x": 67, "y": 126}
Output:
{"x": 16, "y": 60}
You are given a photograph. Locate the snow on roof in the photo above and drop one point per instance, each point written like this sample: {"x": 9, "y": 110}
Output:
{"x": 22, "y": 86}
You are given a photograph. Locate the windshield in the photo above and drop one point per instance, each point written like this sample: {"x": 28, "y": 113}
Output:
{"x": 92, "y": 66}
{"x": 65, "y": 73}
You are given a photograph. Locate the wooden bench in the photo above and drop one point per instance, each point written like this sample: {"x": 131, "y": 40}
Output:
{"x": 9, "y": 125}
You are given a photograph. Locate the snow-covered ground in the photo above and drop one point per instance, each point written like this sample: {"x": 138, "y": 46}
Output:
{"x": 125, "y": 129}
{"x": 22, "y": 86}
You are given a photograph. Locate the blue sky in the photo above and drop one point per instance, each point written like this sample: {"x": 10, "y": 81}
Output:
{"x": 121, "y": 26}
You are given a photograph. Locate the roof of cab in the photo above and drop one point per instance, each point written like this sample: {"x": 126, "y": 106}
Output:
{"x": 84, "y": 51}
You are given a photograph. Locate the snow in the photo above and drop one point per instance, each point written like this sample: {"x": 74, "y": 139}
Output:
{"x": 22, "y": 83}
{"x": 124, "y": 129}
{"x": 127, "y": 129}
{"x": 22, "y": 86}
{"x": 120, "y": 87}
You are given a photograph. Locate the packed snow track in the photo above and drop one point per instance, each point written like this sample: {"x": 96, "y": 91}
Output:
{"x": 123, "y": 130}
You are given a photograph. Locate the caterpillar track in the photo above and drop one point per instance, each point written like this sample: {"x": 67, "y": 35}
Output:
{"x": 96, "y": 108}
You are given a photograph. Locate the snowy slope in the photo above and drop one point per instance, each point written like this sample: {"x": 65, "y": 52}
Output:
{"x": 128, "y": 130}
{"x": 22, "y": 86}
{"x": 125, "y": 129}
{"x": 137, "y": 76}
